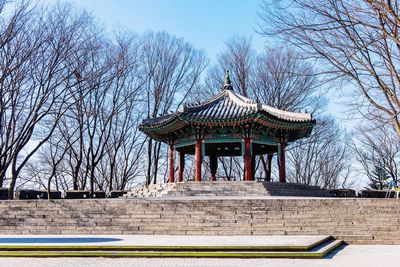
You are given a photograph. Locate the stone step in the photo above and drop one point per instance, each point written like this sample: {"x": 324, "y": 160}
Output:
{"x": 171, "y": 246}
{"x": 207, "y": 188}
{"x": 347, "y": 219}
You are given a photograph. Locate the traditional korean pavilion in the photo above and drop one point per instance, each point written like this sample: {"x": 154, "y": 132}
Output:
{"x": 227, "y": 124}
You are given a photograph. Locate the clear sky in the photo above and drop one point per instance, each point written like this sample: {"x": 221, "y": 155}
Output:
{"x": 206, "y": 24}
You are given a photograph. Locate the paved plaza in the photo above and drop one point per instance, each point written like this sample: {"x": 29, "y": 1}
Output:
{"x": 157, "y": 240}
{"x": 350, "y": 256}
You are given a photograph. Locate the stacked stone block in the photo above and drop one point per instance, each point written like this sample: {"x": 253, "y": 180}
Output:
{"x": 361, "y": 221}
{"x": 248, "y": 188}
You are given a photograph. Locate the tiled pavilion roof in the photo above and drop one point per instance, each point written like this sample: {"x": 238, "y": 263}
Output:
{"x": 228, "y": 105}
{"x": 224, "y": 106}
{"x": 229, "y": 108}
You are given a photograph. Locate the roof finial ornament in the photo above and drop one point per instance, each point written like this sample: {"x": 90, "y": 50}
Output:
{"x": 227, "y": 83}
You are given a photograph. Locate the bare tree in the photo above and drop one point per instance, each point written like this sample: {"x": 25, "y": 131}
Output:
{"x": 36, "y": 79}
{"x": 15, "y": 56}
{"x": 73, "y": 115}
{"x": 102, "y": 125}
{"x": 323, "y": 159}
{"x": 124, "y": 155}
{"x": 172, "y": 68}
{"x": 110, "y": 95}
{"x": 284, "y": 80}
{"x": 125, "y": 147}
{"x": 43, "y": 170}
{"x": 377, "y": 149}
{"x": 239, "y": 58}
{"x": 353, "y": 40}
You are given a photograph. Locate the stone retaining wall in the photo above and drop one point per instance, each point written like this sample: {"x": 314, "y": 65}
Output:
{"x": 361, "y": 221}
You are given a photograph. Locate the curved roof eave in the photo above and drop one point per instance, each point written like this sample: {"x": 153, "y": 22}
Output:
{"x": 232, "y": 110}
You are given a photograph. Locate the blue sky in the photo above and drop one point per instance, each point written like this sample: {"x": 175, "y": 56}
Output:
{"x": 206, "y": 24}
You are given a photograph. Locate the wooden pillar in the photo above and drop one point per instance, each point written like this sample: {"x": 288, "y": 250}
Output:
{"x": 247, "y": 160}
{"x": 282, "y": 167}
{"x": 253, "y": 166}
{"x": 171, "y": 164}
{"x": 181, "y": 166}
{"x": 198, "y": 153}
{"x": 213, "y": 167}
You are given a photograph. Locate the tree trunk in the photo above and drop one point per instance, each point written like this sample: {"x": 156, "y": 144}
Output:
{"x": 149, "y": 161}
{"x": 76, "y": 174}
{"x": 253, "y": 167}
{"x": 267, "y": 166}
{"x": 2, "y": 175}
{"x": 14, "y": 175}
{"x": 396, "y": 125}
{"x": 49, "y": 184}
{"x": 91, "y": 180}
{"x": 269, "y": 162}
{"x": 111, "y": 175}
{"x": 11, "y": 188}
{"x": 157, "y": 148}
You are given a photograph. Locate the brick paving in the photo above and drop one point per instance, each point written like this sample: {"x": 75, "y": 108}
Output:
{"x": 350, "y": 256}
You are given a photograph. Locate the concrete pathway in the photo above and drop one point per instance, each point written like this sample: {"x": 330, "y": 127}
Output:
{"x": 350, "y": 256}
{"x": 157, "y": 240}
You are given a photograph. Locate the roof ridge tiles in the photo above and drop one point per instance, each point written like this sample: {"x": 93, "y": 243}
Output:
{"x": 287, "y": 115}
{"x": 228, "y": 105}
{"x": 242, "y": 101}
{"x": 207, "y": 102}
{"x": 282, "y": 114}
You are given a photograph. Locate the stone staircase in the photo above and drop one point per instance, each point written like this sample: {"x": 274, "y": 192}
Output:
{"x": 153, "y": 190}
{"x": 359, "y": 221}
{"x": 226, "y": 188}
